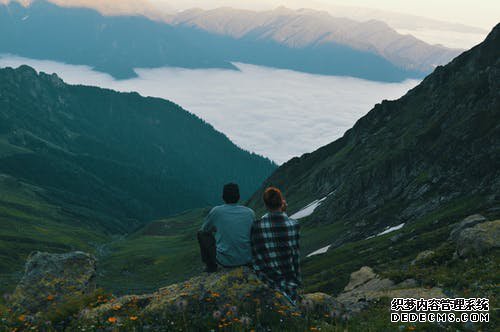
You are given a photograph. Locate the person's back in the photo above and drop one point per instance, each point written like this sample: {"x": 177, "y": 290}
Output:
{"x": 275, "y": 248}
{"x": 230, "y": 224}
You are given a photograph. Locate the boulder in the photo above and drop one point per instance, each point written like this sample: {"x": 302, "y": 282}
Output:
{"x": 50, "y": 279}
{"x": 426, "y": 254}
{"x": 366, "y": 287}
{"x": 468, "y": 222}
{"x": 360, "y": 277}
{"x": 479, "y": 239}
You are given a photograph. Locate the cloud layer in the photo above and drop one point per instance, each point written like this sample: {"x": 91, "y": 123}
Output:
{"x": 276, "y": 113}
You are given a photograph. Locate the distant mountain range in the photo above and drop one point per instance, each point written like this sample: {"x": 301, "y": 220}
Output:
{"x": 307, "y": 28}
{"x": 304, "y": 40}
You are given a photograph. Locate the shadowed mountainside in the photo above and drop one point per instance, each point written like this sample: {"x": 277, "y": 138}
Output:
{"x": 437, "y": 145}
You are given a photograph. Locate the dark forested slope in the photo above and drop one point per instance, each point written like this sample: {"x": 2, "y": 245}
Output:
{"x": 131, "y": 157}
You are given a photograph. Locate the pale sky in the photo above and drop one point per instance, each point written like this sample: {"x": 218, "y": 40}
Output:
{"x": 480, "y": 13}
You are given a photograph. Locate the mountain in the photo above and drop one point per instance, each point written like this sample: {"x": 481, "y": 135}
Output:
{"x": 405, "y": 175}
{"x": 387, "y": 202}
{"x": 132, "y": 156}
{"x": 148, "y": 8}
{"x": 312, "y": 29}
{"x": 80, "y": 164}
{"x": 303, "y": 40}
{"x": 115, "y": 45}
{"x": 410, "y": 167}
{"x": 437, "y": 144}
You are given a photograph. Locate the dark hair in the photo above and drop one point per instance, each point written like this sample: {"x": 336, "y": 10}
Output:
{"x": 273, "y": 198}
{"x": 231, "y": 193}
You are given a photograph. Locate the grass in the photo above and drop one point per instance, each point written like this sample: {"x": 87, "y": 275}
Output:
{"x": 330, "y": 272}
{"x": 166, "y": 251}
{"x": 163, "y": 252}
{"x": 28, "y": 223}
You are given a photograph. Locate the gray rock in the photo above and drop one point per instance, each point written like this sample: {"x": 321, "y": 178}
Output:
{"x": 470, "y": 221}
{"x": 396, "y": 237}
{"x": 479, "y": 239}
{"x": 360, "y": 277}
{"x": 50, "y": 279}
{"x": 408, "y": 283}
{"x": 366, "y": 287}
{"x": 422, "y": 256}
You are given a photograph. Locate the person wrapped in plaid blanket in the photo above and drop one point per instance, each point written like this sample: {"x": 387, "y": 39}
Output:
{"x": 275, "y": 247}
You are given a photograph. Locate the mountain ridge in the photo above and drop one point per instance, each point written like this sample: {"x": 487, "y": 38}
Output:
{"x": 318, "y": 28}
{"x": 386, "y": 168}
{"x": 114, "y": 44}
{"x": 58, "y": 99}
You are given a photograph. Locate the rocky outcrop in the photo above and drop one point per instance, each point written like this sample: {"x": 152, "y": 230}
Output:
{"x": 229, "y": 298}
{"x": 423, "y": 256}
{"x": 234, "y": 297}
{"x": 479, "y": 239}
{"x": 365, "y": 287}
{"x": 50, "y": 279}
{"x": 470, "y": 221}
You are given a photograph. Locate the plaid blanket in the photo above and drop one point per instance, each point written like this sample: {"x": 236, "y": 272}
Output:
{"x": 275, "y": 251}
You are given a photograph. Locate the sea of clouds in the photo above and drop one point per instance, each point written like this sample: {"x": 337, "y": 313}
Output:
{"x": 276, "y": 113}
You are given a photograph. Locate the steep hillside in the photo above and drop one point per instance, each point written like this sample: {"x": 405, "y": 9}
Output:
{"x": 134, "y": 157}
{"x": 306, "y": 41}
{"x": 29, "y": 222}
{"x": 78, "y": 164}
{"x": 162, "y": 252}
{"x": 437, "y": 146}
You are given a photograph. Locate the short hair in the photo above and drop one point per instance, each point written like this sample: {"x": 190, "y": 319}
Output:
{"x": 231, "y": 193}
{"x": 273, "y": 198}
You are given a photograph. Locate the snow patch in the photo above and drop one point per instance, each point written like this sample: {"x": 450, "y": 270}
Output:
{"x": 320, "y": 251}
{"x": 388, "y": 230}
{"x": 309, "y": 209}
{"x": 391, "y": 229}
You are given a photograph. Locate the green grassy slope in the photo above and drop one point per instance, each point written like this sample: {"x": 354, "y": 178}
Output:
{"x": 163, "y": 252}
{"x": 29, "y": 223}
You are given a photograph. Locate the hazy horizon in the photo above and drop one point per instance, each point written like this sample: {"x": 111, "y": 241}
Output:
{"x": 459, "y": 24}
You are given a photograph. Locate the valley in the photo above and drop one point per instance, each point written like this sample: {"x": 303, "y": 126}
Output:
{"x": 114, "y": 148}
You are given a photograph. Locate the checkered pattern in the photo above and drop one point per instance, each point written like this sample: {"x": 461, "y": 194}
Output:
{"x": 275, "y": 251}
